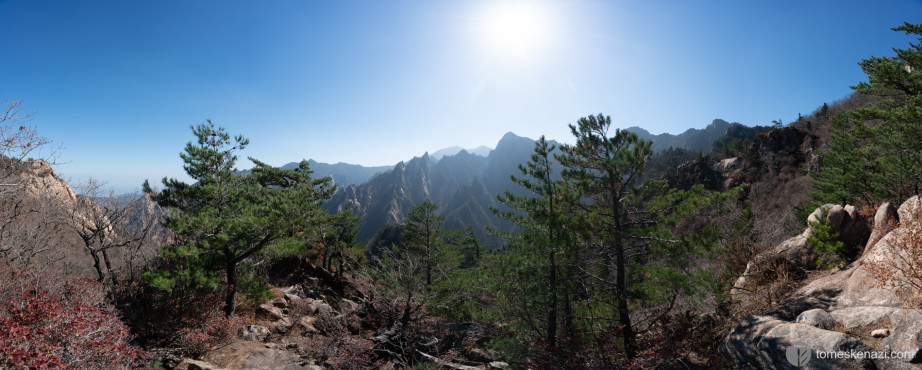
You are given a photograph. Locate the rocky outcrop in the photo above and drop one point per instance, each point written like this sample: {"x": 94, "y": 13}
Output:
{"x": 850, "y": 311}
{"x": 39, "y": 179}
{"x": 463, "y": 185}
{"x": 796, "y": 255}
{"x": 885, "y": 220}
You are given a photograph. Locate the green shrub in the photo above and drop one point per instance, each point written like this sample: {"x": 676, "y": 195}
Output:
{"x": 832, "y": 252}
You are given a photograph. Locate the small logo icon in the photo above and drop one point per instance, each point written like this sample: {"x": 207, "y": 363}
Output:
{"x": 798, "y": 354}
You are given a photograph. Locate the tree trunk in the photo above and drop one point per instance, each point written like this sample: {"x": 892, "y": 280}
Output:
{"x": 624, "y": 316}
{"x": 97, "y": 266}
{"x": 567, "y": 305}
{"x": 428, "y": 267}
{"x": 230, "y": 303}
{"x": 105, "y": 257}
{"x": 552, "y": 304}
{"x": 407, "y": 310}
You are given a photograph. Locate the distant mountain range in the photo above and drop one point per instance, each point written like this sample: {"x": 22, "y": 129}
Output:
{"x": 482, "y": 151}
{"x": 696, "y": 140}
{"x": 343, "y": 174}
{"x": 464, "y": 183}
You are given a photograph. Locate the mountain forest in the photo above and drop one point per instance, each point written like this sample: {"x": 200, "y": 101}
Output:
{"x": 725, "y": 247}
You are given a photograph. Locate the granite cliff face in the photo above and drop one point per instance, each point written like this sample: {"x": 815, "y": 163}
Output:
{"x": 43, "y": 221}
{"x": 33, "y": 218}
{"x": 463, "y": 185}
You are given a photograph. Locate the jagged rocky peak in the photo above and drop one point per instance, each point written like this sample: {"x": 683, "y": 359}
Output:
{"x": 39, "y": 179}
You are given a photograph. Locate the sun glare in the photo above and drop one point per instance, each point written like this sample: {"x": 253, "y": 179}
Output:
{"x": 516, "y": 27}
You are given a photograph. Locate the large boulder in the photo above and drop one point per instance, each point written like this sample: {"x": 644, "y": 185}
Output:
{"x": 796, "y": 255}
{"x": 839, "y": 311}
{"x": 885, "y": 219}
{"x": 910, "y": 212}
{"x": 769, "y": 343}
{"x": 271, "y": 312}
{"x": 852, "y": 228}
{"x": 817, "y": 318}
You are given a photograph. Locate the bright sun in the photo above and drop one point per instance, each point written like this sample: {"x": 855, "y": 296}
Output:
{"x": 514, "y": 27}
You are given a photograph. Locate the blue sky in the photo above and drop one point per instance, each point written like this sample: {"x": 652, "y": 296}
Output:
{"x": 118, "y": 83}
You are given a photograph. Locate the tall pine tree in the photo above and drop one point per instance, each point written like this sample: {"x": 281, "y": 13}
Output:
{"x": 544, "y": 238}
{"x": 645, "y": 231}
{"x": 878, "y": 155}
{"x": 225, "y": 219}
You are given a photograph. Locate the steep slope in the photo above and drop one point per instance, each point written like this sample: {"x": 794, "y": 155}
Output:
{"x": 464, "y": 186}
{"x": 511, "y": 151}
{"x": 33, "y": 219}
{"x": 387, "y": 197}
{"x": 774, "y": 168}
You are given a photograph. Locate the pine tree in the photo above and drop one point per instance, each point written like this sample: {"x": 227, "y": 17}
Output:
{"x": 847, "y": 172}
{"x": 424, "y": 237}
{"x": 225, "y": 219}
{"x": 897, "y": 140}
{"x": 607, "y": 168}
{"x": 544, "y": 238}
{"x": 643, "y": 229}
{"x": 337, "y": 234}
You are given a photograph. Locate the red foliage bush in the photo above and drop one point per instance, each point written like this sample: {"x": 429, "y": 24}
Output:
{"x": 209, "y": 333}
{"x": 75, "y": 328}
{"x": 188, "y": 321}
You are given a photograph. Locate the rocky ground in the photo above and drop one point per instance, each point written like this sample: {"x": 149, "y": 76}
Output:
{"x": 320, "y": 321}
{"x": 851, "y": 310}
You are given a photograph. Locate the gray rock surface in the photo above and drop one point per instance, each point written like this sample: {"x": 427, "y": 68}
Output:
{"x": 270, "y": 312}
{"x": 190, "y": 364}
{"x": 840, "y": 310}
{"x": 272, "y": 359}
{"x": 254, "y": 333}
{"x": 885, "y": 219}
{"x": 817, "y": 318}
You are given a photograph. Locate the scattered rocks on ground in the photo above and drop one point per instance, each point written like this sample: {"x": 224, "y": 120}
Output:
{"x": 280, "y": 302}
{"x": 270, "y": 312}
{"x": 254, "y": 333}
{"x": 190, "y": 364}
